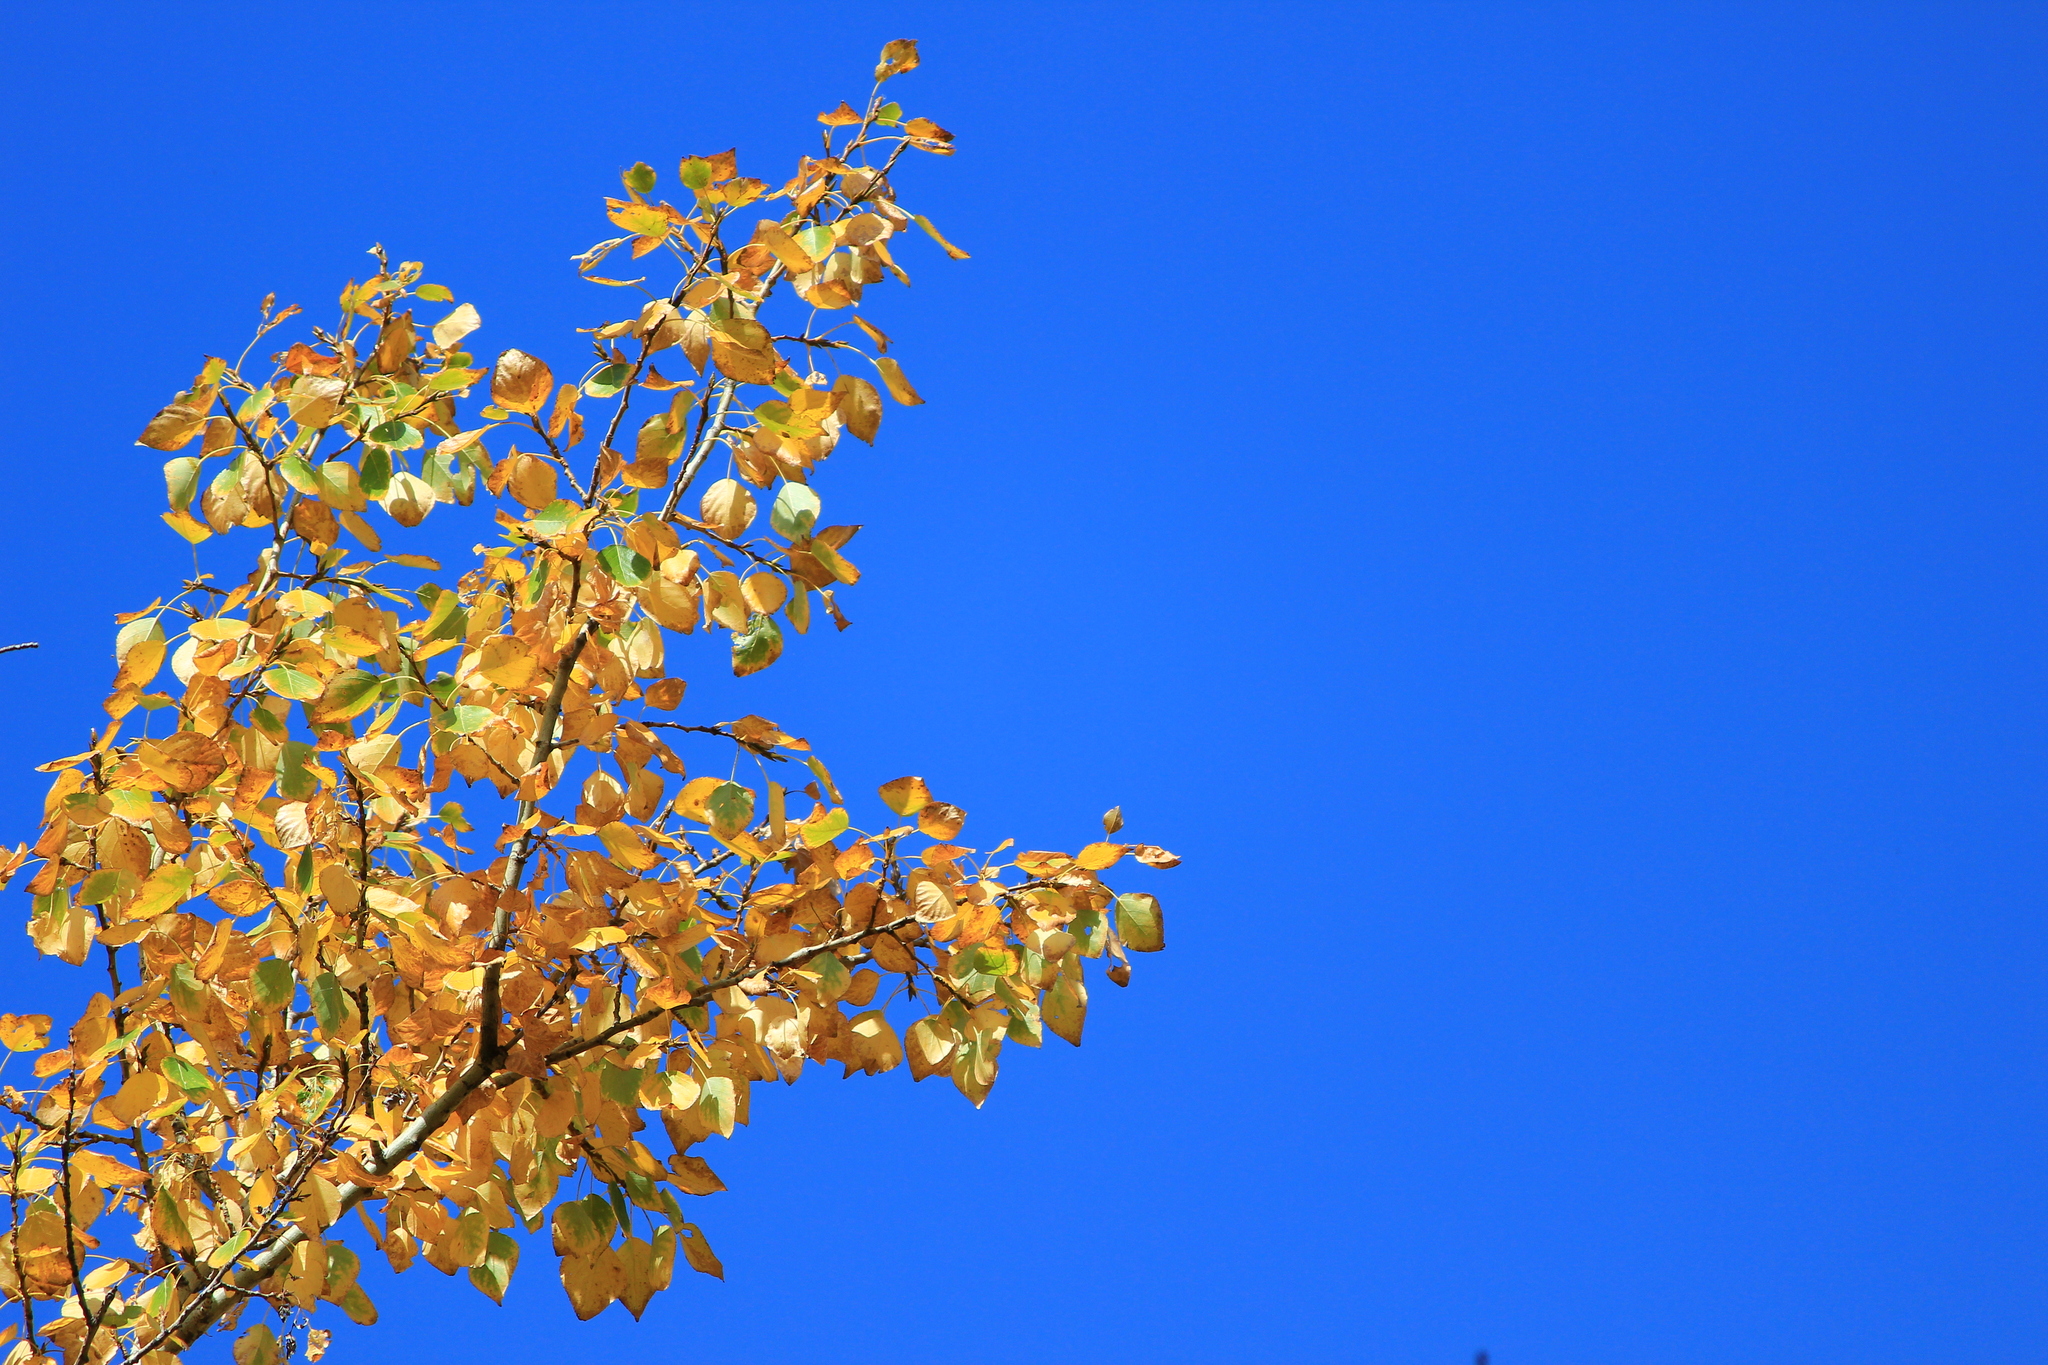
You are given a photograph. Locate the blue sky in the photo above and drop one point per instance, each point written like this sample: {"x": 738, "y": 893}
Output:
{"x": 1541, "y": 506}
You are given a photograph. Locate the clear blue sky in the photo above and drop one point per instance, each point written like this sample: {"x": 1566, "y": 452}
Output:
{"x": 1541, "y": 505}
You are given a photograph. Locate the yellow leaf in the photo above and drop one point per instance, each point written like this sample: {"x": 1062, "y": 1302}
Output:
{"x": 785, "y": 248}
{"x": 906, "y": 795}
{"x": 728, "y": 508}
{"x": 955, "y": 252}
{"x": 24, "y": 1032}
{"x": 899, "y": 387}
{"x": 533, "y": 481}
{"x": 506, "y": 661}
{"x": 763, "y": 592}
{"x": 1095, "y": 857}
{"x": 456, "y": 326}
{"x": 898, "y": 57}
{"x": 105, "y": 1170}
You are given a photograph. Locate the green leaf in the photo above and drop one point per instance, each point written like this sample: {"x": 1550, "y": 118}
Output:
{"x": 347, "y": 695}
{"x": 1138, "y": 922}
{"x": 639, "y": 179}
{"x": 824, "y": 831}
{"x": 231, "y": 1248}
{"x": 444, "y": 609}
{"x": 181, "y": 481}
{"x": 343, "y": 1266}
{"x": 299, "y": 475}
{"x": 619, "y": 1084}
{"x": 655, "y": 441}
{"x": 795, "y": 511}
{"x": 627, "y": 566}
{"x": 494, "y": 1276}
{"x": 574, "y": 1233}
{"x": 602, "y": 1219}
{"x": 756, "y": 647}
{"x": 330, "y": 1007}
{"x": 815, "y": 239}
{"x": 607, "y": 381}
{"x": 1066, "y": 1008}
{"x": 833, "y": 978}
{"x": 357, "y": 1305}
{"x": 104, "y": 885}
{"x": 715, "y": 1104}
{"x": 186, "y": 1076}
{"x": 393, "y": 433}
{"x": 731, "y": 808}
{"x": 375, "y": 476}
{"x": 435, "y": 293}
{"x": 696, "y": 172}
{"x": 258, "y": 1345}
{"x": 466, "y": 720}
{"x": 294, "y": 781}
{"x": 554, "y": 519}
{"x": 272, "y": 983}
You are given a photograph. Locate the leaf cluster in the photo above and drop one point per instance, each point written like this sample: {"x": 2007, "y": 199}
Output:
{"x": 335, "y": 995}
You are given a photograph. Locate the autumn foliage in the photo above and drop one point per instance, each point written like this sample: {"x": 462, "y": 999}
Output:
{"x": 342, "y": 1015}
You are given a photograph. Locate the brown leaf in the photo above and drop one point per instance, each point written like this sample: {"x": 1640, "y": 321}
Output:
{"x": 186, "y": 761}
{"x": 860, "y": 407}
{"x": 172, "y": 429}
{"x": 940, "y": 820}
{"x": 693, "y": 1175}
{"x": 521, "y": 383}
{"x": 736, "y": 361}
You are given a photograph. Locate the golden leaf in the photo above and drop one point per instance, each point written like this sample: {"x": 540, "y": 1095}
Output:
{"x": 521, "y": 383}
{"x": 106, "y": 1170}
{"x": 533, "y": 481}
{"x": 860, "y": 407}
{"x": 24, "y": 1032}
{"x": 1095, "y": 857}
{"x": 940, "y": 820}
{"x": 506, "y": 661}
{"x": 728, "y": 508}
{"x": 898, "y": 57}
{"x": 906, "y": 795}
{"x": 899, "y": 387}
{"x": 173, "y": 428}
